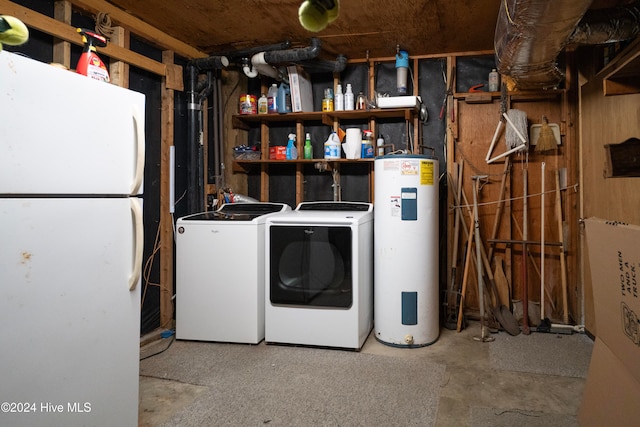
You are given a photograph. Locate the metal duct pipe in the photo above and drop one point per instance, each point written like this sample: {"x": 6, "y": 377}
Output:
{"x": 608, "y": 25}
{"x": 530, "y": 34}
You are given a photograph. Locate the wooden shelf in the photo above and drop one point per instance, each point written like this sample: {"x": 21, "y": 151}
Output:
{"x": 244, "y": 121}
{"x": 625, "y": 77}
{"x": 246, "y": 165}
{"x": 332, "y": 119}
{"x": 520, "y": 96}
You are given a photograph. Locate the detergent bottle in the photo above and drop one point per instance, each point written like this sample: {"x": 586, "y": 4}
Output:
{"x": 332, "y": 147}
{"x": 272, "y": 99}
{"x": 284, "y": 98}
{"x": 291, "y": 150}
{"x": 90, "y": 63}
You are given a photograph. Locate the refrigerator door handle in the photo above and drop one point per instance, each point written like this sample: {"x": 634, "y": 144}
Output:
{"x": 136, "y": 210}
{"x": 138, "y": 122}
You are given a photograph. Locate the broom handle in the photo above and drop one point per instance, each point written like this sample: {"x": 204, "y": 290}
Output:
{"x": 506, "y": 153}
{"x": 563, "y": 262}
{"x": 465, "y": 277}
{"x": 493, "y": 141}
{"x": 498, "y": 217}
{"x": 525, "y": 236}
{"x": 542, "y": 166}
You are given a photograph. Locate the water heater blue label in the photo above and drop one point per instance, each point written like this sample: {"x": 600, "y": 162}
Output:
{"x": 409, "y": 202}
{"x": 409, "y": 308}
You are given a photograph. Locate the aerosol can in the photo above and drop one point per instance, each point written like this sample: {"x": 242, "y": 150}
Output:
{"x": 90, "y": 63}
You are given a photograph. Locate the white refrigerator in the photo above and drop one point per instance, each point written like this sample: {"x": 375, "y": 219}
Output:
{"x": 71, "y": 241}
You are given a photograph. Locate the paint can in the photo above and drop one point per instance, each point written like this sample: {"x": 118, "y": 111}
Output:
{"x": 248, "y": 104}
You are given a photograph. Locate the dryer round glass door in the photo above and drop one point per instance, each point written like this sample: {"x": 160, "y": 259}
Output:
{"x": 310, "y": 266}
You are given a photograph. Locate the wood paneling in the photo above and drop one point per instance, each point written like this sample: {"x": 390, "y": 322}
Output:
{"x": 364, "y": 27}
{"x": 605, "y": 120}
{"x": 476, "y": 125}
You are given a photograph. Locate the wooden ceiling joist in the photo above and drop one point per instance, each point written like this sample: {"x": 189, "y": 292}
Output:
{"x": 140, "y": 28}
{"x": 69, "y": 34}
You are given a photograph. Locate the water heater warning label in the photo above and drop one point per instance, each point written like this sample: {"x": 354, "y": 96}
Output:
{"x": 409, "y": 167}
{"x": 426, "y": 173}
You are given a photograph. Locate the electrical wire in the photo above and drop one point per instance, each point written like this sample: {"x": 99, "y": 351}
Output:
{"x": 506, "y": 8}
{"x": 173, "y": 338}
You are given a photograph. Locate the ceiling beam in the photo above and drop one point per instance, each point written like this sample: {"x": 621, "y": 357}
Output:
{"x": 69, "y": 33}
{"x": 140, "y": 28}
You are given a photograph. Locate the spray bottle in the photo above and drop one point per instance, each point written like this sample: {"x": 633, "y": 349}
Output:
{"x": 90, "y": 63}
{"x": 291, "y": 150}
{"x": 308, "y": 148}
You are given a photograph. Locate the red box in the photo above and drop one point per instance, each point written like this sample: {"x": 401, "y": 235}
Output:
{"x": 278, "y": 153}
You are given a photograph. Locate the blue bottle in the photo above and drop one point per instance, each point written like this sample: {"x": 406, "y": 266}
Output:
{"x": 291, "y": 150}
{"x": 284, "y": 98}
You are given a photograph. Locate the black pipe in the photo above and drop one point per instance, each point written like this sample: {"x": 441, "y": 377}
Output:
{"x": 294, "y": 55}
{"x": 219, "y": 149}
{"x": 197, "y": 92}
{"x": 215, "y": 62}
{"x": 192, "y": 123}
{"x": 320, "y": 66}
{"x": 247, "y": 53}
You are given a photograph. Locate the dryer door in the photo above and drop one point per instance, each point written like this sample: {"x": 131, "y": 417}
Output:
{"x": 310, "y": 266}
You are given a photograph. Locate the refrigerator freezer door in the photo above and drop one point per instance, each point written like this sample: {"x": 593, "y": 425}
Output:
{"x": 70, "y": 324}
{"x": 64, "y": 133}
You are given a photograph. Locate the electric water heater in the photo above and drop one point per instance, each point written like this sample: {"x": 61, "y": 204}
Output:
{"x": 406, "y": 250}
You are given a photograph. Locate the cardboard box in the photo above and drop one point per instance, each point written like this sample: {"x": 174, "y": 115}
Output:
{"x": 613, "y": 383}
{"x": 278, "y": 152}
{"x": 614, "y": 258}
{"x": 301, "y": 91}
{"x": 611, "y": 393}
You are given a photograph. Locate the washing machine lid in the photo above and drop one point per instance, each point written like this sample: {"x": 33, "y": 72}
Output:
{"x": 335, "y": 206}
{"x": 239, "y": 212}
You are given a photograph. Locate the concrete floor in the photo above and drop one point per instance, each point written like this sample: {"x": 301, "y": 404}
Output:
{"x": 534, "y": 380}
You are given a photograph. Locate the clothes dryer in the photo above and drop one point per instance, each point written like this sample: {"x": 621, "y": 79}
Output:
{"x": 319, "y": 275}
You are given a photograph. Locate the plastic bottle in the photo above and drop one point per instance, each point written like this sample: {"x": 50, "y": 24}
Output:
{"x": 308, "y": 148}
{"x": 327, "y": 101}
{"x": 291, "y": 150}
{"x": 349, "y": 100}
{"x": 263, "y": 104}
{"x": 338, "y": 103}
{"x": 272, "y": 99}
{"x": 90, "y": 63}
{"x": 361, "y": 102}
{"x": 332, "y": 147}
{"x": 380, "y": 143}
{"x": 494, "y": 80}
{"x": 366, "y": 150}
{"x": 284, "y": 98}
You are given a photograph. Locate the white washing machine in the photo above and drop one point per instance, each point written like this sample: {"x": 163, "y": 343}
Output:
{"x": 220, "y": 273}
{"x": 319, "y": 275}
